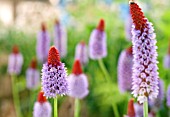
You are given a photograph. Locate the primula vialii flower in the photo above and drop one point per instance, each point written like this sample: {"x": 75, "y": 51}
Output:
{"x": 97, "y": 43}
{"x": 145, "y": 75}
{"x": 60, "y": 38}
{"x": 77, "y": 81}
{"x": 167, "y": 59}
{"x": 33, "y": 75}
{"x": 42, "y": 107}
{"x": 125, "y": 70}
{"x": 15, "y": 61}
{"x": 43, "y": 44}
{"x": 54, "y": 75}
{"x": 81, "y": 53}
{"x": 168, "y": 96}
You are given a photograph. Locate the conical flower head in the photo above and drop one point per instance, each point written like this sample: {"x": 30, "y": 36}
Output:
{"x": 125, "y": 64}
{"x": 145, "y": 75}
{"x": 131, "y": 110}
{"x": 42, "y": 107}
{"x": 15, "y": 61}
{"x": 60, "y": 38}
{"x": 167, "y": 59}
{"x": 168, "y": 96}
{"x": 97, "y": 43}
{"x": 54, "y": 75}
{"x": 33, "y": 75}
{"x": 43, "y": 44}
{"x": 81, "y": 53}
{"x": 77, "y": 81}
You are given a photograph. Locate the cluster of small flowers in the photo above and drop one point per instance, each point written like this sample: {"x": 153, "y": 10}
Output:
{"x": 43, "y": 41}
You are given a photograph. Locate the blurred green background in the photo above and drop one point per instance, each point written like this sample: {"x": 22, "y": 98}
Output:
{"x": 80, "y": 18}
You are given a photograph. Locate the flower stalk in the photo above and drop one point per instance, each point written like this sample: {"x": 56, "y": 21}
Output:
{"x": 145, "y": 109}
{"x": 55, "y": 107}
{"x": 15, "y": 96}
{"x": 77, "y": 107}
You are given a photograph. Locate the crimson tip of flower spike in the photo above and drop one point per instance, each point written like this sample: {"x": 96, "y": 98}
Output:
{"x": 33, "y": 63}
{"x": 131, "y": 110}
{"x": 41, "y": 97}
{"x": 137, "y": 16}
{"x": 53, "y": 56}
{"x": 43, "y": 26}
{"x": 101, "y": 25}
{"x": 129, "y": 50}
{"x": 15, "y": 49}
{"x": 77, "y": 68}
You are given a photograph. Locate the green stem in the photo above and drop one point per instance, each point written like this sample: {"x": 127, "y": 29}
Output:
{"x": 145, "y": 109}
{"x": 16, "y": 97}
{"x": 114, "y": 106}
{"x": 103, "y": 68}
{"x": 55, "y": 107}
{"x": 76, "y": 108}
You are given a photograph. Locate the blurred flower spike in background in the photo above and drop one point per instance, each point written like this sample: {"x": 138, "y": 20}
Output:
{"x": 43, "y": 43}
{"x": 33, "y": 75}
{"x": 42, "y": 108}
{"x": 60, "y": 38}
{"x": 97, "y": 42}
{"x": 77, "y": 81}
{"x": 81, "y": 53}
{"x": 125, "y": 64}
{"x": 15, "y": 61}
